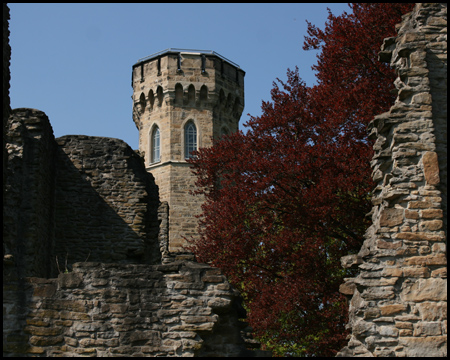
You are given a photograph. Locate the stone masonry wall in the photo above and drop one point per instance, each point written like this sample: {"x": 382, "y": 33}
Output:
{"x": 177, "y": 309}
{"x": 106, "y": 203}
{"x": 399, "y": 299}
{"x": 29, "y": 200}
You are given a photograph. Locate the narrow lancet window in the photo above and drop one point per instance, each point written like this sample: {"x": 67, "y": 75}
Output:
{"x": 190, "y": 140}
{"x": 156, "y": 148}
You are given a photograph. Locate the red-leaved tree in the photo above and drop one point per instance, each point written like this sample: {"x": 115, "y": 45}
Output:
{"x": 287, "y": 199}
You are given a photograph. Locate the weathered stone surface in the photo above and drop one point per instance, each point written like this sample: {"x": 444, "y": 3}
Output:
{"x": 391, "y": 217}
{"x": 406, "y": 244}
{"x": 431, "y": 311}
{"x": 351, "y": 261}
{"x": 431, "y": 167}
{"x": 426, "y": 289}
{"x": 431, "y": 346}
{"x": 160, "y": 319}
{"x": 387, "y": 310}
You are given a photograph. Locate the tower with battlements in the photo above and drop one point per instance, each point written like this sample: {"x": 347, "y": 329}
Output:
{"x": 182, "y": 100}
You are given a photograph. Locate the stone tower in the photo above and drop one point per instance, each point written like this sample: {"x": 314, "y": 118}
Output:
{"x": 182, "y": 100}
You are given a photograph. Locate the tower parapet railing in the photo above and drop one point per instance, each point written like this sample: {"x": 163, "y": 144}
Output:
{"x": 186, "y": 51}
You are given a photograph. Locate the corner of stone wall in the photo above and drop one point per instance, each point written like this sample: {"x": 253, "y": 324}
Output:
{"x": 399, "y": 299}
{"x": 106, "y": 203}
{"x": 28, "y": 208}
{"x": 163, "y": 236}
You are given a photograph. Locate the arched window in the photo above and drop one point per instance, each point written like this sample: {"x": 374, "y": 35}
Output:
{"x": 178, "y": 94}
{"x": 190, "y": 139}
{"x": 156, "y": 145}
{"x": 151, "y": 98}
{"x": 159, "y": 95}
{"x": 203, "y": 95}
{"x": 142, "y": 102}
{"x": 191, "y": 95}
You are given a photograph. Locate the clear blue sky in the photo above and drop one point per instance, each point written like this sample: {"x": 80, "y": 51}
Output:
{"x": 73, "y": 61}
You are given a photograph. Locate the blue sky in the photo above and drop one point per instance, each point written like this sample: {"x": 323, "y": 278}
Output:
{"x": 73, "y": 61}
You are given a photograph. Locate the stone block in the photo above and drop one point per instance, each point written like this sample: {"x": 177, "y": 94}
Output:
{"x": 432, "y": 311}
{"x": 381, "y": 292}
{"x": 411, "y": 214}
{"x": 420, "y": 204}
{"x": 442, "y": 272}
{"x": 432, "y": 289}
{"x": 418, "y": 236}
{"x": 404, "y": 325}
{"x": 431, "y": 346}
{"x": 431, "y": 213}
{"x": 411, "y": 271}
{"x": 351, "y": 261}
{"x": 44, "y": 290}
{"x": 46, "y": 340}
{"x": 42, "y": 331}
{"x": 431, "y": 168}
{"x": 427, "y": 329}
{"x": 347, "y": 288}
{"x": 405, "y": 332}
{"x": 381, "y": 244}
{"x": 431, "y": 225}
{"x": 35, "y": 350}
{"x": 376, "y": 282}
{"x": 361, "y": 327}
{"x": 438, "y": 259}
{"x": 37, "y": 322}
{"x": 387, "y": 310}
{"x": 388, "y": 331}
{"x": 391, "y": 217}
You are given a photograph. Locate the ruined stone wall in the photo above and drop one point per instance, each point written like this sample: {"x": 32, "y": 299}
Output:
{"x": 106, "y": 203}
{"x": 30, "y": 188}
{"x": 399, "y": 299}
{"x": 177, "y": 309}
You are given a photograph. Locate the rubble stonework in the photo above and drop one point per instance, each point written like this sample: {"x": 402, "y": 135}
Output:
{"x": 86, "y": 264}
{"x": 90, "y": 198}
{"x": 104, "y": 194}
{"x": 177, "y": 309}
{"x": 399, "y": 299}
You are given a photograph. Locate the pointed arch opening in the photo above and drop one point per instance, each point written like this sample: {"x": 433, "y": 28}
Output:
{"x": 151, "y": 99}
{"x": 190, "y": 139}
{"x": 155, "y": 145}
{"x": 142, "y": 102}
{"x": 191, "y": 95}
{"x": 203, "y": 95}
{"x": 178, "y": 94}
{"x": 159, "y": 95}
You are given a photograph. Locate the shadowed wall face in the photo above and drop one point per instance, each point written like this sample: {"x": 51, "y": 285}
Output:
{"x": 106, "y": 203}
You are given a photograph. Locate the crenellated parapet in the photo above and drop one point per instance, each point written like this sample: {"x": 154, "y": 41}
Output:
{"x": 189, "y": 80}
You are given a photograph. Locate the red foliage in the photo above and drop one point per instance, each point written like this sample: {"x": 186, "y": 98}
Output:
{"x": 286, "y": 200}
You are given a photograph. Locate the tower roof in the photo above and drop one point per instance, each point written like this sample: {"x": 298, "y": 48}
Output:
{"x": 185, "y": 51}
